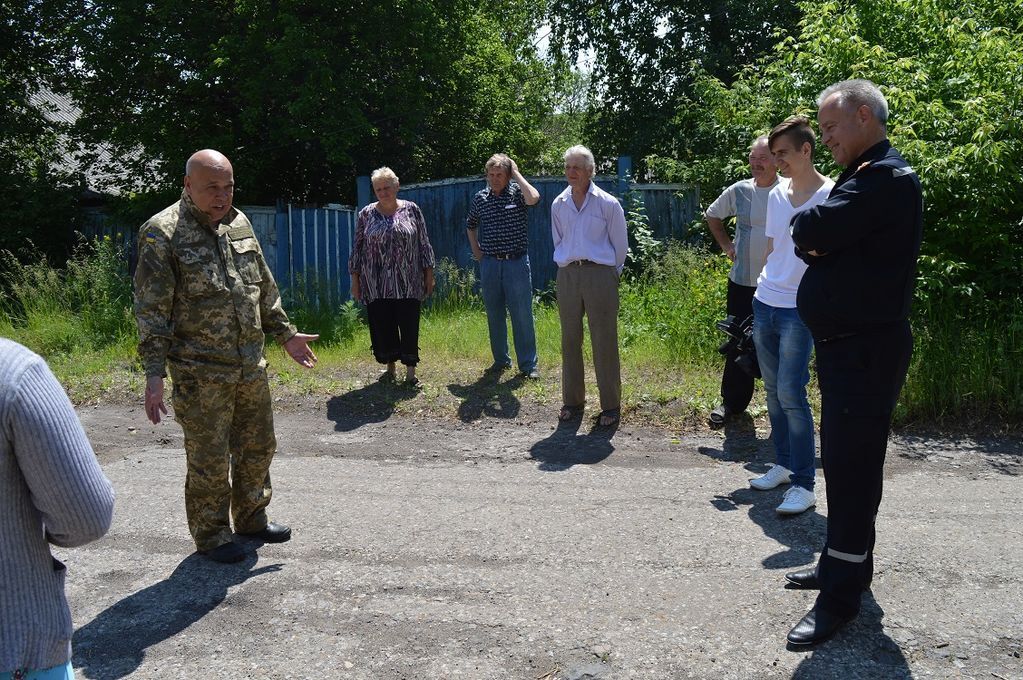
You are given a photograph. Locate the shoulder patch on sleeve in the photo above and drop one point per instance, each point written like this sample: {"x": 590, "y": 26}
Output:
{"x": 150, "y": 236}
{"x": 238, "y": 233}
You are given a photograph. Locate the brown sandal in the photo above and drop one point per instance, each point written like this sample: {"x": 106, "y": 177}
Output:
{"x": 570, "y": 412}
{"x": 610, "y": 417}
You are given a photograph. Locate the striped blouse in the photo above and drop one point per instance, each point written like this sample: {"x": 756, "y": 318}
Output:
{"x": 391, "y": 252}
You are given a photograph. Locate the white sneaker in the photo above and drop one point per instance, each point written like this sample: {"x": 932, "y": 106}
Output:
{"x": 796, "y": 500}
{"x": 776, "y": 476}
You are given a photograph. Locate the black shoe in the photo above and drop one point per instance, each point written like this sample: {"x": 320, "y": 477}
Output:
{"x": 804, "y": 579}
{"x": 226, "y": 553}
{"x": 718, "y": 416}
{"x": 817, "y": 626}
{"x": 531, "y": 374}
{"x": 497, "y": 368}
{"x": 271, "y": 533}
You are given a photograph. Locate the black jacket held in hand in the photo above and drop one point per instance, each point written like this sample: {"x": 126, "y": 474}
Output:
{"x": 867, "y": 236}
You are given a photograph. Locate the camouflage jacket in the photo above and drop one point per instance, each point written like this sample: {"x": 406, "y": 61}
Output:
{"x": 204, "y": 296}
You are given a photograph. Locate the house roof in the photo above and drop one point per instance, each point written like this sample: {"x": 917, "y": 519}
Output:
{"x": 97, "y": 164}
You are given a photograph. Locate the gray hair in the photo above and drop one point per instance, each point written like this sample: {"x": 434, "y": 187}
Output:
{"x": 762, "y": 139}
{"x": 858, "y": 92}
{"x": 384, "y": 173}
{"x": 498, "y": 160}
{"x": 580, "y": 151}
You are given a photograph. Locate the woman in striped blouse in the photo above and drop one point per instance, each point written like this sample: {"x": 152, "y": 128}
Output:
{"x": 392, "y": 273}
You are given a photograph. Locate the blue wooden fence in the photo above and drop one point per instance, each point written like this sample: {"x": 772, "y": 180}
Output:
{"x": 308, "y": 248}
{"x": 445, "y": 203}
{"x": 312, "y": 249}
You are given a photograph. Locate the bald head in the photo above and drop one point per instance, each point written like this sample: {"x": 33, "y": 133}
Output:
{"x": 209, "y": 182}
{"x": 206, "y": 158}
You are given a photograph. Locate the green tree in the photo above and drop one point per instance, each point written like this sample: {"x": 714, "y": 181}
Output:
{"x": 647, "y": 54}
{"x": 39, "y": 197}
{"x": 952, "y": 72}
{"x": 304, "y": 96}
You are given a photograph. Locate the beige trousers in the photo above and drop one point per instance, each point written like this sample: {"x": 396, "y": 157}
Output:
{"x": 590, "y": 289}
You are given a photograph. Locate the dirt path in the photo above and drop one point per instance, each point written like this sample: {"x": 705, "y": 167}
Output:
{"x": 500, "y": 546}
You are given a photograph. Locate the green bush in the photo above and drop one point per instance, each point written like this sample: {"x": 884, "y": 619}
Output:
{"x": 675, "y": 302}
{"x": 953, "y": 75}
{"x": 644, "y": 248}
{"x": 967, "y": 363}
{"x": 87, "y": 305}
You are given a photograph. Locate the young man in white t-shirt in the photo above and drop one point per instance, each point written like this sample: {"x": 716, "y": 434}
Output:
{"x": 783, "y": 341}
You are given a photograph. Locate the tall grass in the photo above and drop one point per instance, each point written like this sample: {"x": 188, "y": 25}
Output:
{"x": 313, "y": 306}
{"x": 669, "y": 310}
{"x": 967, "y": 364}
{"x": 85, "y": 306}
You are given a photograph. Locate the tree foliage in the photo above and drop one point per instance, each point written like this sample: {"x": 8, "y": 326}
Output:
{"x": 648, "y": 52}
{"x": 952, "y": 72}
{"x": 40, "y": 198}
{"x": 304, "y": 95}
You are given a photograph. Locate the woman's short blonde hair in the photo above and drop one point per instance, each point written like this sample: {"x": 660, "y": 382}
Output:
{"x": 384, "y": 173}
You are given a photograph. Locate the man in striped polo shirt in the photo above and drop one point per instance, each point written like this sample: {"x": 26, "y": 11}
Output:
{"x": 496, "y": 227}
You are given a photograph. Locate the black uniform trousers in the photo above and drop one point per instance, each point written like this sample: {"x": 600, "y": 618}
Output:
{"x": 737, "y": 384}
{"x": 860, "y": 379}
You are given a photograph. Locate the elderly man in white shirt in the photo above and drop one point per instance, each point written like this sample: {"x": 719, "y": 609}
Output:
{"x": 590, "y": 243}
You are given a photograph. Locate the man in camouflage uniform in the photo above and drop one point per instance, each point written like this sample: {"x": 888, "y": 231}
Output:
{"x": 204, "y": 300}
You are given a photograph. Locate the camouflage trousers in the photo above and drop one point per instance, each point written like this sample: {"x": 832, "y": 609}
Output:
{"x": 229, "y": 443}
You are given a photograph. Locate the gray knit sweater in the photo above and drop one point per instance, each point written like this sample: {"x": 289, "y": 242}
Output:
{"x": 51, "y": 491}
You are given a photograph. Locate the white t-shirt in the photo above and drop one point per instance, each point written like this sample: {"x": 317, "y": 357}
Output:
{"x": 779, "y": 279}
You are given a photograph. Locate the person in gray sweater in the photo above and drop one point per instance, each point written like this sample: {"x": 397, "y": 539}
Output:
{"x": 52, "y": 491}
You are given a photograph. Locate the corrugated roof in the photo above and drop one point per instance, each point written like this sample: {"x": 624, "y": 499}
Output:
{"x": 100, "y": 172}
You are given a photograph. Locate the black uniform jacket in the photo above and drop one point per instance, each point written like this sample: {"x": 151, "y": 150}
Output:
{"x": 867, "y": 236}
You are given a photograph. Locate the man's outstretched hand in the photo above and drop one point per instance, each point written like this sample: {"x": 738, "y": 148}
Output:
{"x": 298, "y": 349}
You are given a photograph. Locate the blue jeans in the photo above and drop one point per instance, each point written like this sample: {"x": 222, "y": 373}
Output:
{"x": 508, "y": 290}
{"x": 783, "y": 352}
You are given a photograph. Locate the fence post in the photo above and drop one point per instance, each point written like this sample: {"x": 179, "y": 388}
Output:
{"x": 363, "y": 190}
{"x": 624, "y": 175}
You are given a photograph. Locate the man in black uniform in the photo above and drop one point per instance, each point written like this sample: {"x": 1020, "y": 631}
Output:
{"x": 861, "y": 245}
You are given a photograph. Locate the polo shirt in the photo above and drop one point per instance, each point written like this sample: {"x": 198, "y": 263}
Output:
{"x": 500, "y": 220}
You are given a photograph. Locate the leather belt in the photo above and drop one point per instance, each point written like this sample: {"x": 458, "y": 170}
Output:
{"x": 507, "y": 256}
{"x": 581, "y": 262}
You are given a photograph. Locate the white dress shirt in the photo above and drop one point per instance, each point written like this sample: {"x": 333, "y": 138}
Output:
{"x": 595, "y": 232}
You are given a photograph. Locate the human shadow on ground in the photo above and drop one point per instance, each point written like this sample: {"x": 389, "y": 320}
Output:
{"x": 566, "y": 447}
{"x": 799, "y": 535}
{"x": 860, "y": 649}
{"x": 372, "y": 403}
{"x": 488, "y": 396}
{"x": 114, "y": 643}
{"x": 740, "y": 442}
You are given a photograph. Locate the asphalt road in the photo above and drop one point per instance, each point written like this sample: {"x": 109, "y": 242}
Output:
{"x": 505, "y": 548}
